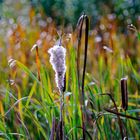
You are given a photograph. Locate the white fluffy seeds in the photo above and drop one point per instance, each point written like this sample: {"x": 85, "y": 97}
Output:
{"x": 57, "y": 60}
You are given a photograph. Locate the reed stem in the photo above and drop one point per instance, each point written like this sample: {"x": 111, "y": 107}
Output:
{"x": 119, "y": 119}
{"x": 81, "y": 87}
{"x": 61, "y": 116}
{"x": 38, "y": 62}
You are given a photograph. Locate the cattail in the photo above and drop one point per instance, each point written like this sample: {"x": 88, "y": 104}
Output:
{"x": 57, "y": 60}
{"x": 124, "y": 93}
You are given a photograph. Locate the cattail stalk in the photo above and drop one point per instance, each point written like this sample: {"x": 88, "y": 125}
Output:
{"x": 79, "y": 26}
{"x": 122, "y": 115}
{"x": 81, "y": 88}
{"x": 53, "y": 130}
{"x": 57, "y": 60}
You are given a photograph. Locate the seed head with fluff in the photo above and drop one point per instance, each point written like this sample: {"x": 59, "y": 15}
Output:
{"x": 57, "y": 60}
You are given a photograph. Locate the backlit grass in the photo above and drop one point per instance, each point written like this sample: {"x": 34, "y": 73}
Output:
{"x": 30, "y": 100}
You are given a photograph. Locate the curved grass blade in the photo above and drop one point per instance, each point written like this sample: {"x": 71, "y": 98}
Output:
{"x": 26, "y": 70}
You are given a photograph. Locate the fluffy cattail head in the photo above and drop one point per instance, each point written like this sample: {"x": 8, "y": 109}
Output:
{"x": 57, "y": 60}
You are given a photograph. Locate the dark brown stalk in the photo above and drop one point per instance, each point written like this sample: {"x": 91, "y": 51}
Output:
{"x": 124, "y": 93}
{"x": 119, "y": 119}
{"x": 123, "y": 115}
{"x": 60, "y": 131}
{"x": 84, "y": 68}
{"x": 38, "y": 63}
{"x": 80, "y": 26}
{"x": 85, "y": 57}
{"x": 61, "y": 137}
{"x": 64, "y": 88}
{"x": 52, "y": 130}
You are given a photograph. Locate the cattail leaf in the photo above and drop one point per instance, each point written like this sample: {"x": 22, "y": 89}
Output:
{"x": 138, "y": 36}
{"x": 25, "y": 69}
{"x": 31, "y": 94}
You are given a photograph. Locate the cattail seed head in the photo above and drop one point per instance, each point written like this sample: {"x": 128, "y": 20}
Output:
{"x": 124, "y": 93}
{"x": 57, "y": 60}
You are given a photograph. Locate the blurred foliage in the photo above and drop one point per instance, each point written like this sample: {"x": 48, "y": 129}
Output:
{"x": 27, "y": 106}
{"x": 65, "y": 11}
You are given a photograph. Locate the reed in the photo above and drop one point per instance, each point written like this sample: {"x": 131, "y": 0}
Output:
{"x": 80, "y": 23}
{"x": 37, "y": 59}
{"x": 57, "y": 60}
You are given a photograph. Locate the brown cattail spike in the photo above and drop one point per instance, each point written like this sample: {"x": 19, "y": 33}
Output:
{"x": 124, "y": 93}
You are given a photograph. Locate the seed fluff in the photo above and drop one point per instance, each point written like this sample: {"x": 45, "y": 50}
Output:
{"x": 57, "y": 60}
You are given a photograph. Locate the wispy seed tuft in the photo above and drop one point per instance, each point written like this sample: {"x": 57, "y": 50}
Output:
{"x": 57, "y": 60}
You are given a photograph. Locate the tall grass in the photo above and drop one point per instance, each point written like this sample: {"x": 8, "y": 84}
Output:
{"x": 29, "y": 105}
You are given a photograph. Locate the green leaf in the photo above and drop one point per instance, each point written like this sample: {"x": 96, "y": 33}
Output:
{"x": 138, "y": 36}
{"x": 26, "y": 70}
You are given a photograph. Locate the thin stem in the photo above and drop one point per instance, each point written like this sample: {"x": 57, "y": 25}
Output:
{"x": 79, "y": 26}
{"x": 119, "y": 119}
{"x": 61, "y": 116}
{"x": 81, "y": 90}
{"x": 53, "y": 129}
{"x": 38, "y": 62}
{"x": 126, "y": 126}
{"x": 123, "y": 115}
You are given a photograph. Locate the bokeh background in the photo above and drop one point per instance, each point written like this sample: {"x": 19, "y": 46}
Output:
{"x": 113, "y": 53}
